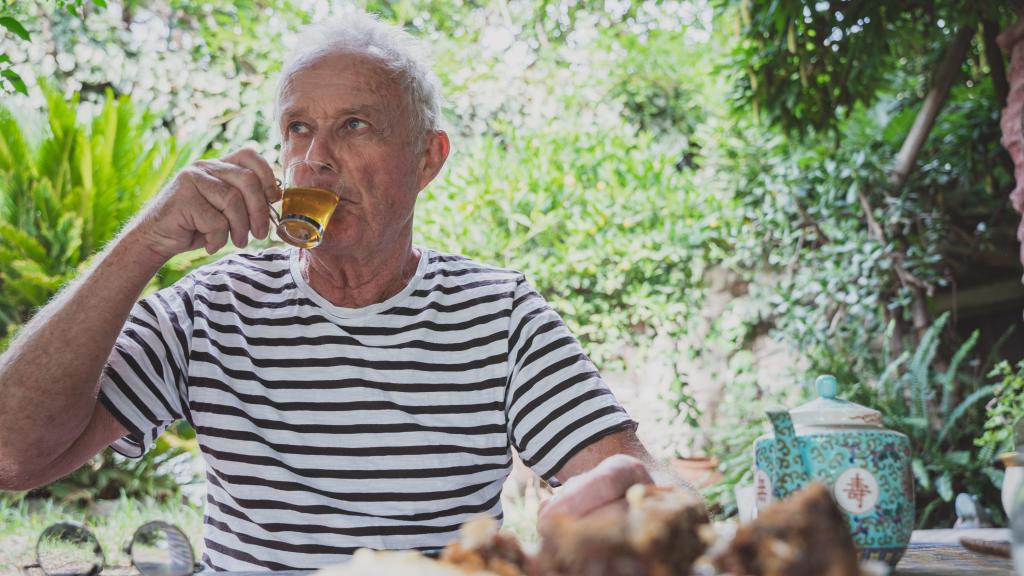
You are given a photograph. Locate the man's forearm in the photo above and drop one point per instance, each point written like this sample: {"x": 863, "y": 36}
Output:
{"x": 49, "y": 374}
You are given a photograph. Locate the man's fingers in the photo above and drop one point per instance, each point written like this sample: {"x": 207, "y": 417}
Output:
{"x": 250, "y": 191}
{"x": 259, "y": 212}
{"x": 249, "y": 158}
{"x": 228, "y": 200}
{"x": 605, "y": 483}
{"x": 211, "y": 227}
{"x": 215, "y": 240}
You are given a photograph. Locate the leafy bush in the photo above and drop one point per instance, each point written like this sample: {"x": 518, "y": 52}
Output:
{"x": 1003, "y": 411}
{"x": 65, "y": 191}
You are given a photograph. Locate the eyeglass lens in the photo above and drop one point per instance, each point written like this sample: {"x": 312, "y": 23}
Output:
{"x": 161, "y": 549}
{"x": 156, "y": 549}
{"x": 68, "y": 548}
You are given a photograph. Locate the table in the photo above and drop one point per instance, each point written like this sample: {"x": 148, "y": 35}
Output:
{"x": 939, "y": 553}
{"x": 931, "y": 553}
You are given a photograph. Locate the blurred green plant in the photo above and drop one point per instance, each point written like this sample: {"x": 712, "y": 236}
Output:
{"x": 10, "y": 21}
{"x": 11, "y": 18}
{"x": 66, "y": 188}
{"x": 1002, "y": 412}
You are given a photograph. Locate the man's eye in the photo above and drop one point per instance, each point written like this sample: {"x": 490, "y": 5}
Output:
{"x": 298, "y": 128}
{"x": 355, "y": 124}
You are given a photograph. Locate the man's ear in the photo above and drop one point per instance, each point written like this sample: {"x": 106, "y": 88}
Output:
{"x": 434, "y": 154}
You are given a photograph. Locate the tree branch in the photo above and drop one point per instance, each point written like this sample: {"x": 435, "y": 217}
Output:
{"x": 944, "y": 78}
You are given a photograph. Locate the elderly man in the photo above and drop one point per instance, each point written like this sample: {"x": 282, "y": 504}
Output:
{"x": 365, "y": 393}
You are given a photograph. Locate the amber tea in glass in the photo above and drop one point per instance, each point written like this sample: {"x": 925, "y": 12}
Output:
{"x": 305, "y": 208}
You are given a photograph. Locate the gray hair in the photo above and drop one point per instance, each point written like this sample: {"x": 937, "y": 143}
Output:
{"x": 398, "y": 51}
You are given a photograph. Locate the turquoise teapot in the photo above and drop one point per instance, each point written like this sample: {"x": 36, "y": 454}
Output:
{"x": 844, "y": 446}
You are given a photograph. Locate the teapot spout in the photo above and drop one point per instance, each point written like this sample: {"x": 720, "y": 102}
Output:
{"x": 791, "y": 469}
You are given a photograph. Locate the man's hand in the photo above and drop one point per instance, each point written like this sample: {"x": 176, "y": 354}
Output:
{"x": 206, "y": 202}
{"x": 603, "y": 485}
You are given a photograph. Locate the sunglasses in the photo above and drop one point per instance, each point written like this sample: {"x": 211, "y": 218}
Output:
{"x": 156, "y": 549}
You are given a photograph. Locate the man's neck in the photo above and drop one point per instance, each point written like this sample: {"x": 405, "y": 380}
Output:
{"x": 356, "y": 281}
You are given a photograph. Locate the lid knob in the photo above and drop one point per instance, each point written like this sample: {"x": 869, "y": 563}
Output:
{"x": 826, "y": 385}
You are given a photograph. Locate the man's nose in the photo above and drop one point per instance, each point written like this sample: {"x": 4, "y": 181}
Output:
{"x": 319, "y": 154}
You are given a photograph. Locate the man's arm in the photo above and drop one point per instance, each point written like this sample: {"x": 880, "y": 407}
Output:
{"x": 600, "y": 474}
{"x": 50, "y": 421}
{"x": 99, "y": 433}
{"x": 50, "y": 374}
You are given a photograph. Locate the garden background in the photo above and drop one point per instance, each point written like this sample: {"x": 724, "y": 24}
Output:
{"x": 723, "y": 198}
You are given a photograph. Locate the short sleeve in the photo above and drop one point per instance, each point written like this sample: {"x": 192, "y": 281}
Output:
{"x": 556, "y": 402}
{"x": 144, "y": 383}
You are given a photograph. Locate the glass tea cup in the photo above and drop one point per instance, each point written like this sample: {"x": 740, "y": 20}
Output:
{"x": 307, "y": 203}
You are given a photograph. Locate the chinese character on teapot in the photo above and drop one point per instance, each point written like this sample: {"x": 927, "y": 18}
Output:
{"x": 844, "y": 446}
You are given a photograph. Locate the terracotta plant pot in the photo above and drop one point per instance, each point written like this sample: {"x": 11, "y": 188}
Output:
{"x": 699, "y": 471}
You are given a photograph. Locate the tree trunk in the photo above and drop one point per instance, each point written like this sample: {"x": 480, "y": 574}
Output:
{"x": 1012, "y": 41}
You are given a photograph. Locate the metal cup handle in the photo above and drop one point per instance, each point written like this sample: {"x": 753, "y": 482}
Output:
{"x": 275, "y": 216}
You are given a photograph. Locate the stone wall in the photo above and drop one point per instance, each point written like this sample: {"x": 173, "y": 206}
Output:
{"x": 1012, "y": 41}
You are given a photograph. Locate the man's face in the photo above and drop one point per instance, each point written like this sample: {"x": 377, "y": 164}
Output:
{"x": 345, "y": 110}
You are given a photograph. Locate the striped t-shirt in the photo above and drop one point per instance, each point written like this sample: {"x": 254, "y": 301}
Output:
{"x": 326, "y": 429}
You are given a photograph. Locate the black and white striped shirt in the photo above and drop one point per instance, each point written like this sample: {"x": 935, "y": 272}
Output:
{"x": 327, "y": 429}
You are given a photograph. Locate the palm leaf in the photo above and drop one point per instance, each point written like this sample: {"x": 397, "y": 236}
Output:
{"x": 22, "y": 243}
{"x": 14, "y": 147}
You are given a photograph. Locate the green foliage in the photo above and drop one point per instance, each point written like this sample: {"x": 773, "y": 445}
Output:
{"x": 1003, "y": 411}
{"x": 821, "y": 278}
{"x": 64, "y": 194}
{"x": 12, "y": 20}
{"x": 804, "y": 64}
{"x": 806, "y": 207}
{"x": 803, "y": 230}
{"x": 11, "y": 23}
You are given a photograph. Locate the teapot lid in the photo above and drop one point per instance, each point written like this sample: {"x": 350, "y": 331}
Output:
{"x": 829, "y": 411}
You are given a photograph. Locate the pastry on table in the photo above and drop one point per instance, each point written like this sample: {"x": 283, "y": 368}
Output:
{"x": 482, "y": 547}
{"x": 661, "y": 532}
{"x": 803, "y": 534}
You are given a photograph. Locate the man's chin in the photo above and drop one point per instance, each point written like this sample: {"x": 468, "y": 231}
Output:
{"x": 339, "y": 242}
